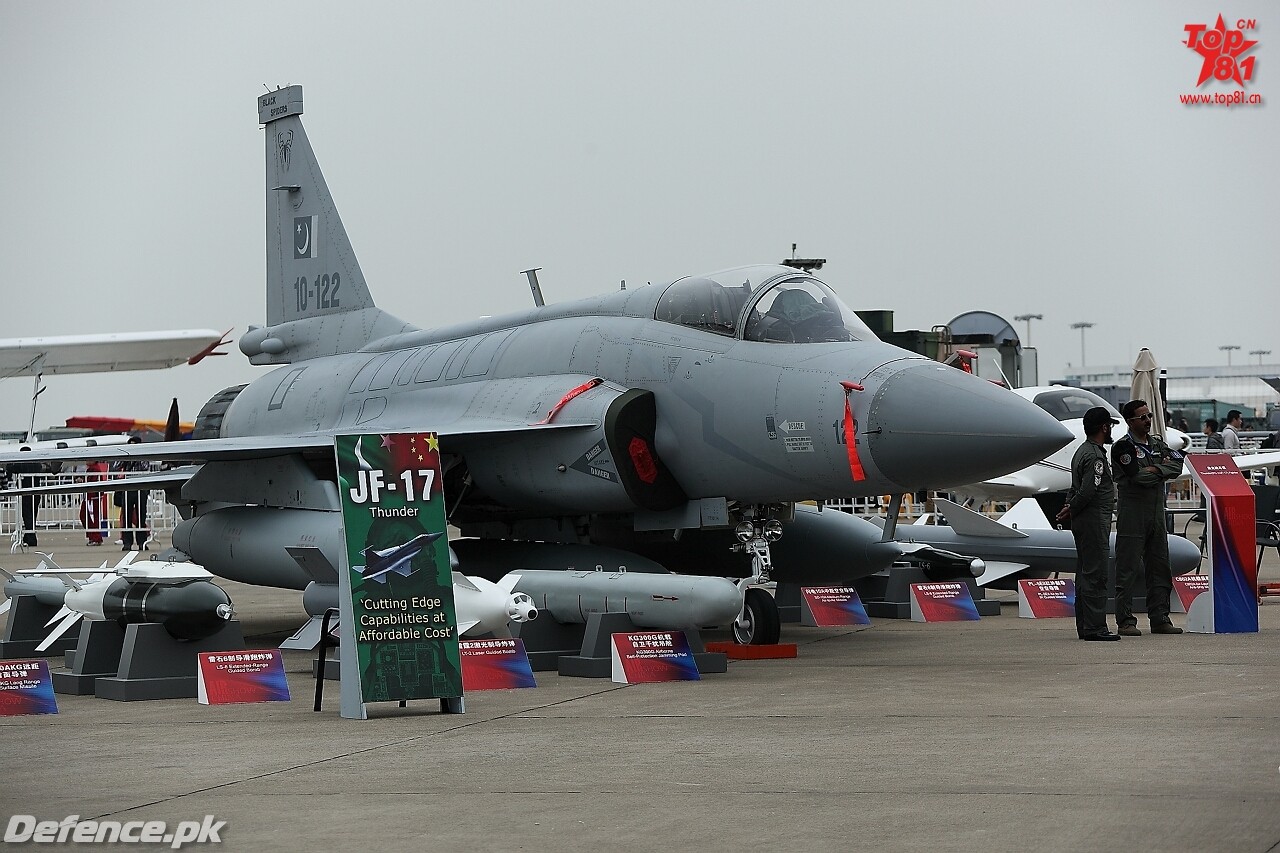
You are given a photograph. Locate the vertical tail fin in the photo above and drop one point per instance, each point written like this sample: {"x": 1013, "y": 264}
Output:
{"x": 312, "y": 272}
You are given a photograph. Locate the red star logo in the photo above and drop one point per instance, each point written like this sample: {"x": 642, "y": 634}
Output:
{"x": 1220, "y": 48}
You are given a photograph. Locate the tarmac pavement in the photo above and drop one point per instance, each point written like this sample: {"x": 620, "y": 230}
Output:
{"x": 1003, "y": 734}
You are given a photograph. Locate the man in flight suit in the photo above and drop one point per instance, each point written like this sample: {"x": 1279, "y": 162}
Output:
{"x": 1142, "y": 464}
{"x": 1089, "y": 505}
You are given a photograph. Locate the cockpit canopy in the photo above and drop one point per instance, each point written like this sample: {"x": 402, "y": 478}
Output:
{"x": 767, "y": 304}
{"x": 1067, "y": 403}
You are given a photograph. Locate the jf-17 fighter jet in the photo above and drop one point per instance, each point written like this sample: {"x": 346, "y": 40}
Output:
{"x": 667, "y": 427}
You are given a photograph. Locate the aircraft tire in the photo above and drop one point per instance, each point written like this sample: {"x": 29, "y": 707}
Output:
{"x": 760, "y": 624}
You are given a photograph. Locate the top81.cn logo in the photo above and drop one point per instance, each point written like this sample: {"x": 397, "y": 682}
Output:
{"x": 1222, "y": 49}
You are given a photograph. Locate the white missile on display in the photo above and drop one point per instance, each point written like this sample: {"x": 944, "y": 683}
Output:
{"x": 651, "y": 599}
{"x": 179, "y": 596}
{"x": 483, "y": 606}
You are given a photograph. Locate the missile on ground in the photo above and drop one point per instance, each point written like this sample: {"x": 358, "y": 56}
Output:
{"x": 485, "y": 607}
{"x": 189, "y": 610}
{"x": 661, "y": 601}
{"x": 178, "y": 596}
{"x": 46, "y": 589}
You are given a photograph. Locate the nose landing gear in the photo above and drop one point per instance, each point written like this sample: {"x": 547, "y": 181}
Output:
{"x": 758, "y": 623}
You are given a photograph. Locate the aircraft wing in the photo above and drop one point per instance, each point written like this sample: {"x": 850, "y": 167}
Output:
{"x": 257, "y": 446}
{"x": 129, "y": 482}
{"x": 1251, "y": 461}
{"x": 99, "y": 353}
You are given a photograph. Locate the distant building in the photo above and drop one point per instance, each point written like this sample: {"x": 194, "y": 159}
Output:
{"x": 998, "y": 354}
{"x": 1197, "y": 392}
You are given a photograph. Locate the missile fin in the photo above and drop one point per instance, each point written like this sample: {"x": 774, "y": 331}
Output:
{"x": 71, "y": 619}
{"x": 313, "y": 561}
{"x": 1026, "y": 514}
{"x": 461, "y": 580}
{"x": 61, "y": 614}
{"x": 68, "y": 580}
{"x": 966, "y": 522}
{"x": 47, "y": 561}
{"x": 997, "y": 570}
{"x": 464, "y": 627}
{"x": 508, "y": 582}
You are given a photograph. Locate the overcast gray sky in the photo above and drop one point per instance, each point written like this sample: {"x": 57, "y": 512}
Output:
{"x": 1012, "y": 157}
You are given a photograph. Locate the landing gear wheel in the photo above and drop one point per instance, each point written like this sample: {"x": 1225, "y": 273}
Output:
{"x": 759, "y": 624}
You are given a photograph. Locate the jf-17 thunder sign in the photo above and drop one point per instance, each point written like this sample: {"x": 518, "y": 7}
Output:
{"x": 398, "y": 588}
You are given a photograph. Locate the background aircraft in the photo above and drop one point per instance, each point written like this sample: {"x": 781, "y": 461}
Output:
{"x": 101, "y": 353}
{"x": 689, "y": 416}
{"x": 1050, "y": 478}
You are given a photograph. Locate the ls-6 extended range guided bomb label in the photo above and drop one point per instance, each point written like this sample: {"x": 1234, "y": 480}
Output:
{"x": 405, "y": 624}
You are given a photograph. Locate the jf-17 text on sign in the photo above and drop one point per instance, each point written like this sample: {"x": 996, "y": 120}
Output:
{"x": 404, "y": 623}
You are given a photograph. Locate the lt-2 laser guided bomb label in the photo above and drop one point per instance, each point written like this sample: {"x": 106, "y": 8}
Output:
{"x": 405, "y": 622}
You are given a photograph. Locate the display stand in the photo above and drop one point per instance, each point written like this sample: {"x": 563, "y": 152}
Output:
{"x": 153, "y": 665}
{"x": 887, "y": 594}
{"x": 1230, "y": 604}
{"x": 96, "y": 655}
{"x": 595, "y": 659}
{"x": 787, "y": 599}
{"x": 28, "y": 626}
{"x": 546, "y": 641}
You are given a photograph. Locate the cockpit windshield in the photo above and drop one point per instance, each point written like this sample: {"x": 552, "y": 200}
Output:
{"x": 1067, "y": 404}
{"x": 788, "y": 307}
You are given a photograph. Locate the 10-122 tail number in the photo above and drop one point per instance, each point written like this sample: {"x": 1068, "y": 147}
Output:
{"x": 322, "y": 290}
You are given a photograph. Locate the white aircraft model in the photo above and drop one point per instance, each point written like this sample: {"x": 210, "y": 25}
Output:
{"x": 1053, "y": 474}
{"x": 104, "y": 352}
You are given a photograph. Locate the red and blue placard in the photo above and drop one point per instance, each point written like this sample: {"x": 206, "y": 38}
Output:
{"x": 829, "y": 606}
{"x": 1231, "y": 604}
{"x": 26, "y": 688}
{"x": 498, "y": 664}
{"x": 948, "y": 601}
{"x": 231, "y": 678}
{"x": 647, "y": 656}
{"x": 1186, "y": 588}
{"x": 1050, "y": 598}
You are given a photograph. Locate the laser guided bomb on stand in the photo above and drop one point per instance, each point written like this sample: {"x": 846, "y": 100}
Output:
{"x": 178, "y": 595}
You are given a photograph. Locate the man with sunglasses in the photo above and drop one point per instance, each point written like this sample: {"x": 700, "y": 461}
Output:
{"x": 1142, "y": 464}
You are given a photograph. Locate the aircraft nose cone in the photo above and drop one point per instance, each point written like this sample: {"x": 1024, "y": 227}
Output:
{"x": 930, "y": 426}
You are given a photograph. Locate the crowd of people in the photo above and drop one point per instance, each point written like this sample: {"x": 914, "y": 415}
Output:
{"x": 131, "y": 504}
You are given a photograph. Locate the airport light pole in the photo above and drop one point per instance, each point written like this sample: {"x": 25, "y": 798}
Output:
{"x": 1082, "y": 326}
{"x": 1259, "y": 353}
{"x": 1229, "y": 348}
{"x": 1028, "y": 318}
